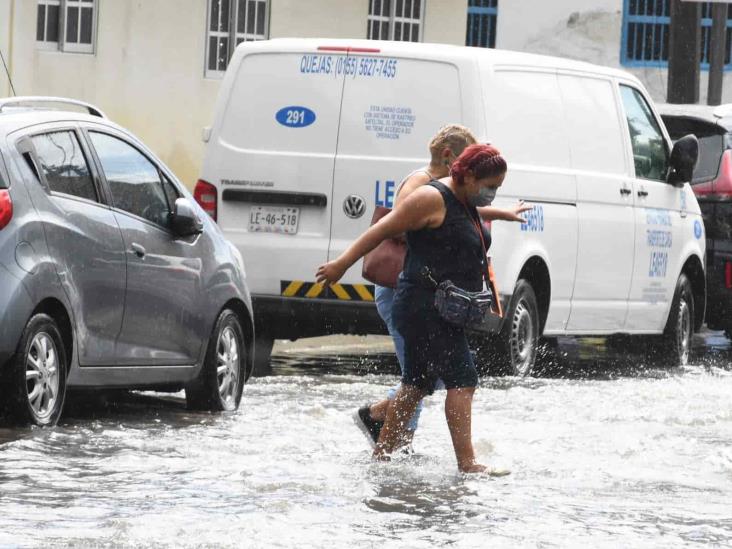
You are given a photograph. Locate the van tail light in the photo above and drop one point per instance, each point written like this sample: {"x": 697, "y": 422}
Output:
{"x": 205, "y": 195}
{"x": 6, "y": 208}
{"x": 728, "y": 274}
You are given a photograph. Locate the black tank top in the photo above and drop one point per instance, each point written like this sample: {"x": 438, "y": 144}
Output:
{"x": 453, "y": 251}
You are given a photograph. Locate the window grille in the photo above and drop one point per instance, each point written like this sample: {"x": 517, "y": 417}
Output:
{"x": 482, "y": 17}
{"x": 646, "y": 31}
{"x": 231, "y": 22}
{"x": 399, "y": 20}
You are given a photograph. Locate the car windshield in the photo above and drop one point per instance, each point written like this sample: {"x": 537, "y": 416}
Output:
{"x": 710, "y": 152}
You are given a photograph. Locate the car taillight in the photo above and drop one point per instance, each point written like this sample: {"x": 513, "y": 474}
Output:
{"x": 728, "y": 274}
{"x": 205, "y": 195}
{"x": 6, "y": 208}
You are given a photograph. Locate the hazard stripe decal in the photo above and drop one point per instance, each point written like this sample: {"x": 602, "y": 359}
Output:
{"x": 340, "y": 292}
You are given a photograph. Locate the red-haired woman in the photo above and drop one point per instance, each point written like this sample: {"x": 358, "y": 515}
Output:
{"x": 444, "y": 238}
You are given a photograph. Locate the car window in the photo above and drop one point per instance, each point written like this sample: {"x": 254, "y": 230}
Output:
{"x": 3, "y": 181}
{"x": 133, "y": 180}
{"x": 62, "y": 162}
{"x": 170, "y": 192}
{"x": 711, "y": 148}
{"x": 650, "y": 154}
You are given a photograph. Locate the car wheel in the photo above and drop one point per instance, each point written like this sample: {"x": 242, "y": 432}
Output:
{"x": 514, "y": 350}
{"x": 35, "y": 389}
{"x": 221, "y": 380}
{"x": 674, "y": 346}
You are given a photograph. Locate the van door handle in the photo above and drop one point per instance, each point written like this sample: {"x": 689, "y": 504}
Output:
{"x": 625, "y": 191}
{"x": 642, "y": 193}
{"x": 138, "y": 250}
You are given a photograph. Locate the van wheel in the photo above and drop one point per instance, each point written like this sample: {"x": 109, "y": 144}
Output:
{"x": 263, "y": 344}
{"x": 35, "y": 389}
{"x": 514, "y": 350}
{"x": 220, "y": 383}
{"x": 674, "y": 346}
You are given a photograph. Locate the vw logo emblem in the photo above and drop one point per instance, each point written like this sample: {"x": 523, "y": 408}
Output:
{"x": 354, "y": 206}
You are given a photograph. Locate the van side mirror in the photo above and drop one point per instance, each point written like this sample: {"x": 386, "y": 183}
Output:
{"x": 683, "y": 160}
{"x": 184, "y": 220}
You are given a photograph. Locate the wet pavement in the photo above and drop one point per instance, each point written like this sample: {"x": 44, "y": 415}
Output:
{"x": 605, "y": 450}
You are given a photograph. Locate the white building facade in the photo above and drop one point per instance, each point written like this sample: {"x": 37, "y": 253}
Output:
{"x": 155, "y": 66}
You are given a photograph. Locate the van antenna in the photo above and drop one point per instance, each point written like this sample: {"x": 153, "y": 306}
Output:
{"x": 8, "y": 73}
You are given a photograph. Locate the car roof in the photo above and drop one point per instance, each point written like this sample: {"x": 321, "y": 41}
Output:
{"x": 21, "y": 117}
{"x": 720, "y": 115}
{"x": 495, "y": 57}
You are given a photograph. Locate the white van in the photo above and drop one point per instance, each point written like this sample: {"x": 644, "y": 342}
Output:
{"x": 310, "y": 135}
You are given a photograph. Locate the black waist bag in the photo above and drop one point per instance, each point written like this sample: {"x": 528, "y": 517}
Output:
{"x": 460, "y": 307}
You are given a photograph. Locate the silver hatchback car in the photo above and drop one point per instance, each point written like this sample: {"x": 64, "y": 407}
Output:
{"x": 110, "y": 274}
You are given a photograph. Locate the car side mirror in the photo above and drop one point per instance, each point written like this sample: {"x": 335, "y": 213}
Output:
{"x": 683, "y": 160}
{"x": 184, "y": 220}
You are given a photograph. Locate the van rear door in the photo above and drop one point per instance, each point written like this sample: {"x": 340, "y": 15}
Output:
{"x": 392, "y": 106}
{"x": 273, "y": 158}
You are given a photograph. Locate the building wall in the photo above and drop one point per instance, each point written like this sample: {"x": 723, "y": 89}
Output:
{"x": 145, "y": 75}
{"x": 445, "y": 21}
{"x": 5, "y": 44}
{"x": 148, "y": 69}
{"x": 318, "y": 18}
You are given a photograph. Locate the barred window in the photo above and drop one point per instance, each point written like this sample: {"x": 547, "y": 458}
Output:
{"x": 66, "y": 25}
{"x": 399, "y": 20}
{"x": 231, "y": 22}
{"x": 646, "y": 31}
{"x": 482, "y": 16}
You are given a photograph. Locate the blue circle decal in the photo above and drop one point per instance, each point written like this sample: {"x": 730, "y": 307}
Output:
{"x": 295, "y": 117}
{"x": 698, "y": 229}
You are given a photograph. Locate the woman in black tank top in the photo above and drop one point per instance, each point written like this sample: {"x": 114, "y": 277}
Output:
{"x": 442, "y": 227}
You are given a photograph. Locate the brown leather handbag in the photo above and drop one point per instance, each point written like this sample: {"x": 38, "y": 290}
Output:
{"x": 383, "y": 264}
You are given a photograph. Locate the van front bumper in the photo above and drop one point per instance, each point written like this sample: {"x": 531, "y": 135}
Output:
{"x": 292, "y": 317}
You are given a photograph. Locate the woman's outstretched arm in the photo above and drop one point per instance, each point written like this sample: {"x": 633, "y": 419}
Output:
{"x": 422, "y": 208}
{"x": 491, "y": 213}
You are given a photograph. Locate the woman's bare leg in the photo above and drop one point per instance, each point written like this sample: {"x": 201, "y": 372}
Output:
{"x": 378, "y": 410}
{"x": 458, "y": 409}
{"x": 397, "y": 417}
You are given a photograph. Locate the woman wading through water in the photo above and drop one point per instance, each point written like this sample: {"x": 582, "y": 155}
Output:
{"x": 444, "y": 147}
{"x": 444, "y": 238}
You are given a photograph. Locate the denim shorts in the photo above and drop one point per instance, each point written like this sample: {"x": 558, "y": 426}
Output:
{"x": 433, "y": 349}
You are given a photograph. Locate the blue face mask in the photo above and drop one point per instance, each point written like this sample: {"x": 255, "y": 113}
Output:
{"x": 484, "y": 198}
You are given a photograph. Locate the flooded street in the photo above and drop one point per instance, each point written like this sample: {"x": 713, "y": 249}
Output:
{"x": 602, "y": 455}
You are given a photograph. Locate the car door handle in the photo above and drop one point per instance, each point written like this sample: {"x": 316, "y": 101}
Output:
{"x": 625, "y": 191}
{"x": 642, "y": 193}
{"x": 138, "y": 250}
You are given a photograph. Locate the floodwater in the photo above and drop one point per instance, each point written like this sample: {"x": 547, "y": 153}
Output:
{"x": 604, "y": 453}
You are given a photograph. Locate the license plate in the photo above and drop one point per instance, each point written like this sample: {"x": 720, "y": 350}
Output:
{"x": 268, "y": 219}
